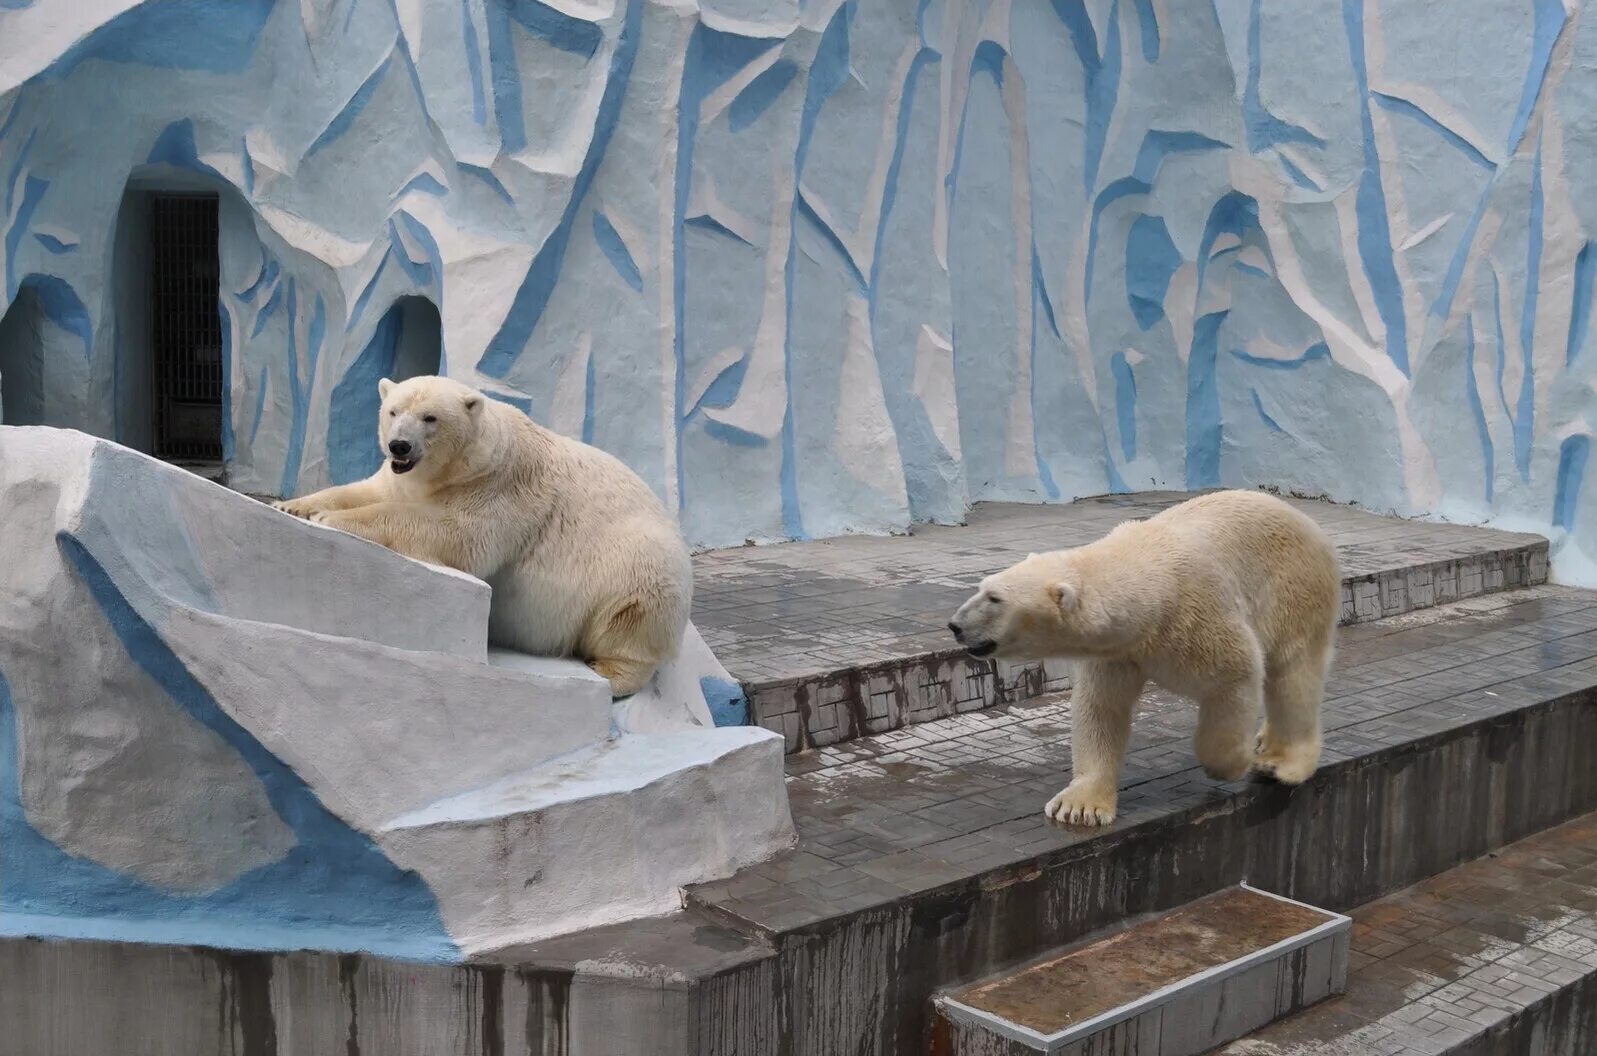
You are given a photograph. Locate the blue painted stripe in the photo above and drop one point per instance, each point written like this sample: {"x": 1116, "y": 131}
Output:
{"x": 1580, "y": 307}
{"x": 833, "y": 239}
{"x": 1152, "y": 260}
{"x": 1453, "y": 139}
{"x": 758, "y": 95}
{"x": 423, "y": 273}
{"x": 247, "y": 163}
{"x": 1264, "y": 129}
{"x": 1455, "y": 269}
{"x": 1374, "y": 233}
{"x": 363, "y": 299}
{"x": 1203, "y": 403}
{"x": 1125, "y": 404}
{"x": 174, "y": 35}
{"x": 1572, "y": 457}
{"x": 176, "y": 146}
{"x": 1258, "y": 405}
{"x": 345, "y": 118}
{"x": 1148, "y": 29}
{"x": 1040, "y": 283}
{"x": 1318, "y": 350}
{"x": 425, "y": 182}
{"x": 1297, "y": 175}
{"x": 706, "y": 222}
{"x": 33, "y": 192}
{"x": 532, "y": 297}
{"x": 264, "y": 316}
{"x": 557, "y": 28}
{"x": 605, "y": 234}
{"x": 588, "y": 396}
{"x": 1100, "y": 75}
{"x": 1548, "y": 24}
{"x": 1039, "y": 299}
{"x": 53, "y": 244}
{"x": 355, "y": 405}
{"x": 487, "y": 176}
{"x": 1525, "y": 419}
{"x": 260, "y": 403}
{"x": 14, "y": 177}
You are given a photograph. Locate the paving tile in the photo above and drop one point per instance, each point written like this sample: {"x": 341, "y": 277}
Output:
{"x": 791, "y": 619}
{"x": 965, "y": 793}
{"x": 1400, "y": 985}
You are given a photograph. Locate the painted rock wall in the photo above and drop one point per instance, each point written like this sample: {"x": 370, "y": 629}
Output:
{"x": 815, "y": 267}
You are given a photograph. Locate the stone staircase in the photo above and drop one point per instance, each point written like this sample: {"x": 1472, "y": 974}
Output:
{"x": 1461, "y": 723}
{"x": 839, "y": 638}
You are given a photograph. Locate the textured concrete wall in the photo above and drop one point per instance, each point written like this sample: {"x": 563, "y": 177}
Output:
{"x": 816, "y": 266}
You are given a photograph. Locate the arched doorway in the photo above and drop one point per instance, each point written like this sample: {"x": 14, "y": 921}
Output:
{"x": 170, "y": 376}
{"x": 407, "y": 343}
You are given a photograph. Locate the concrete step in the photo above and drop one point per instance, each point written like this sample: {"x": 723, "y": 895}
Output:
{"x": 1175, "y": 985}
{"x": 1498, "y": 955}
{"x": 641, "y": 816}
{"x": 841, "y": 638}
{"x": 924, "y": 861}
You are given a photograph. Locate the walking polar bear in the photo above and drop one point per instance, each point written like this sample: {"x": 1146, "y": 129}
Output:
{"x": 1230, "y": 599}
{"x": 582, "y": 557}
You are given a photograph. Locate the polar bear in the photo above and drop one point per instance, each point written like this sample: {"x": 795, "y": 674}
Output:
{"x": 1231, "y": 598}
{"x": 582, "y": 557}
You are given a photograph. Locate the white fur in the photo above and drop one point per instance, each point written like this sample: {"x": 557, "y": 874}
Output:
{"x": 582, "y": 557}
{"x": 1230, "y": 599}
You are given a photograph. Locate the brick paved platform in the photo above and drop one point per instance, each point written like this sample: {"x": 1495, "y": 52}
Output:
{"x": 838, "y": 638}
{"x": 909, "y": 812}
{"x": 1498, "y": 955}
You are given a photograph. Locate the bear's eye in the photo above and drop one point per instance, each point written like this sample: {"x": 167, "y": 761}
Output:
{"x": 994, "y": 599}
{"x": 392, "y": 413}
{"x": 431, "y": 418}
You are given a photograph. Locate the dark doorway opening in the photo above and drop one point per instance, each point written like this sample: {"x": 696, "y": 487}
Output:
{"x": 185, "y": 328}
{"x": 22, "y": 361}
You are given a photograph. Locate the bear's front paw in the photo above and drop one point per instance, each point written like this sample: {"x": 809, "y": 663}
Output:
{"x": 1082, "y": 803}
{"x": 296, "y": 507}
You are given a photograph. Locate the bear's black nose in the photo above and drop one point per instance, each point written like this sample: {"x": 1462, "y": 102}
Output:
{"x": 399, "y": 448}
{"x": 953, "y": 628}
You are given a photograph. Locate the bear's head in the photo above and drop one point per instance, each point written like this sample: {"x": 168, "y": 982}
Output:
{"x": 1040, "y": 608}
{"x": 426, "y": 424}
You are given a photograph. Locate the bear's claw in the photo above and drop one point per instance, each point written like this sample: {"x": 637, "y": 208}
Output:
{"x": 1079, "y": 806}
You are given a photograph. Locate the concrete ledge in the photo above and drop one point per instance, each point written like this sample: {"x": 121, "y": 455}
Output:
{"x": 1436, "y": 759}
{"x": 842, "y": 638}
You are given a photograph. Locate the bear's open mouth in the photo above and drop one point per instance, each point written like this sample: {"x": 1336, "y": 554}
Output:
{"x": 403, "y": 465}
{"x": 982, "y": 649}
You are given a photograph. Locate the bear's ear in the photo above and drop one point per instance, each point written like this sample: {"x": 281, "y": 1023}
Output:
{"x": 1065, "y": 595}
{"x": 473, "y": 403}
{"x": 384, "y": 387}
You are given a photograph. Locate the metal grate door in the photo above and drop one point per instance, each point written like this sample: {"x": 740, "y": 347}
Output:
{"x": 186, "y": 327}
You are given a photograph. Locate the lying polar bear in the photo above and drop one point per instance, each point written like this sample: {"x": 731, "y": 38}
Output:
{"x": 583, "y": 559}
{"x": 1230, "y": 598}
